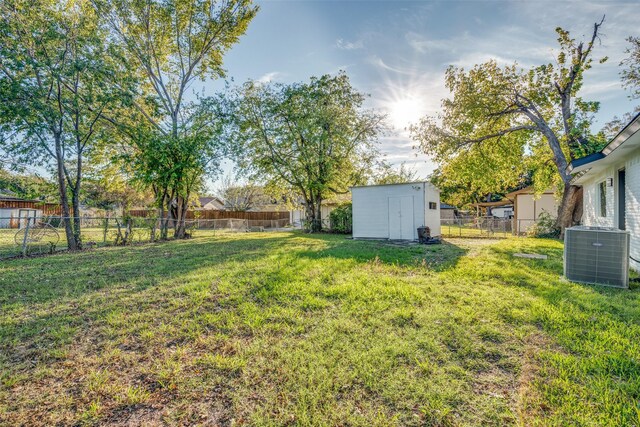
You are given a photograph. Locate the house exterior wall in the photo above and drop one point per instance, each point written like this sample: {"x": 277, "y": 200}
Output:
{"x": 447, "y": 214}
{"x": 325, "y": 210}
{"x": 591, "y": 201}
{"x": 528, "y": 209}
{"x": 371, "y": 208}
{"x": 502, "y": 212}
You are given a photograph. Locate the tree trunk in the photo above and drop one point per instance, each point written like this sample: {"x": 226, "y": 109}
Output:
{"x": 570, "y": 210}
{"x": 318, "y": 212}
{"x": 76, "y": 217}
{"x": 181, "y": 217}
{"x": 312, "y": 214}
{"x": 64, "y": 197}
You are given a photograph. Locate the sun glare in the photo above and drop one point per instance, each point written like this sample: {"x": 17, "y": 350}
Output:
{"x": 404, "y": 112}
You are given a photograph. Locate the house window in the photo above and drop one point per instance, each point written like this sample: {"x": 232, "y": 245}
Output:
{"x": 602, "y": 190}
{"x": 433, "y": 205}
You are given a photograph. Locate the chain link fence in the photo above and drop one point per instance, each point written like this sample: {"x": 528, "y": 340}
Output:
{"x": 46, "y": 235}
{"x": 486, "y": 227}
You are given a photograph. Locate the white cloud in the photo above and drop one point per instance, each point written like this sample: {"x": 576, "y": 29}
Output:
{"x": 378, "y": 62}
{"x": 601, "y": 88}
{"x": 423, "y": 45}
{"x": 269, "y": 77}
{"x": 346, "y": 45}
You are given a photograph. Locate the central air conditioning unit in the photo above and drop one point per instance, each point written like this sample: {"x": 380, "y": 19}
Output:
{"x": 597, "y": 255}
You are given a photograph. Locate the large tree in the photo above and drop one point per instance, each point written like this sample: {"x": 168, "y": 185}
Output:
{"x": 172, "y": 44}
{"x": 500, "y": 119}
{"x": 631, "y": 67}
{"x": 56, "y": 81}
{"x": 314, "y": 138}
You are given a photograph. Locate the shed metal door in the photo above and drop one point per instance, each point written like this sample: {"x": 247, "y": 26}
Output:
{"x": 401, "y": 218}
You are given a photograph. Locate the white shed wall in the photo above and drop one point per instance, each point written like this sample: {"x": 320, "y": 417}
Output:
{"x": 371, "y": 208}
{"x": 432, "y": 216}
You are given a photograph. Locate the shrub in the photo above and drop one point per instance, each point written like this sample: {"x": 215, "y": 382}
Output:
{"x": 341, "y": 219}
{"x": 545, "y": 226}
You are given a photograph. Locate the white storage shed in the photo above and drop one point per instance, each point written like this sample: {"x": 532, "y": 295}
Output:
{"x": 395, "y": 211}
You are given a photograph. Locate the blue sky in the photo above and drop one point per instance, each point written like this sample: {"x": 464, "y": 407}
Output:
{"x": 397, "y": 51}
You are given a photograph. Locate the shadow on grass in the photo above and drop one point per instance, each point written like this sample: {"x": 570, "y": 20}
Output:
{"x": 54, "y": 286}
{"x": 433, "y": 257}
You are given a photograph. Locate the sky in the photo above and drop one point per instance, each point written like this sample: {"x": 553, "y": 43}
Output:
{"x": 398, "y": 51}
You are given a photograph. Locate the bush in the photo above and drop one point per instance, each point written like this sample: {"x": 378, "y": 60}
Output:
{"x": 545, "y": 226}
{"x": 341, "y": 219}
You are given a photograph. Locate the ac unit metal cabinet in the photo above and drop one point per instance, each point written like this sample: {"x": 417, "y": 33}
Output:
{"x": 597, "y": 255}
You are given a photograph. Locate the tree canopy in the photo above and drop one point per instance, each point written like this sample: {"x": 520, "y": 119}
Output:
{"x": 631, "y": 67}
{"x": 504, "y": 122}
{"x": 56, "y": 81}
{"x": 174, "y": 133}
{"x": 313, "y": 138}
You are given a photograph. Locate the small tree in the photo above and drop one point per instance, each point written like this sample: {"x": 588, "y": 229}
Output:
{"x": 313, "y": 138}
{"x": 56, "y": 82}
{"x": 171, "y": 44}
{"x": 241, "y": 196}
{"x": 503, "y": 121}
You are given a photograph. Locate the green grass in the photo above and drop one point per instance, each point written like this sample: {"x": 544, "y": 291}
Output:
{"x": 272, "y": 329}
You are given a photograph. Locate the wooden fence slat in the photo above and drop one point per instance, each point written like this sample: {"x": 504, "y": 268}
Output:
{"x": 215, "y": 214}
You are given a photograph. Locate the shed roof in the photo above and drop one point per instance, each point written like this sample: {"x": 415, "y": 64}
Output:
{"x": 385, "y": 185}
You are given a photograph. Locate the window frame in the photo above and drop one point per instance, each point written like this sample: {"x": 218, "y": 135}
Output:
{"x": 602, "y": 199}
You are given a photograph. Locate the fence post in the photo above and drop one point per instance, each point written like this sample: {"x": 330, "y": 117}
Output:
{"x": 24, "y": 239}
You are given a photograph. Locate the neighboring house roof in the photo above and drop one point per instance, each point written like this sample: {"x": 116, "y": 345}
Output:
{"x": 213, "y": 202}
{"x": 446, "y": 206}
{"x": 8, "y": 198}
{"x": 621, "y": 144}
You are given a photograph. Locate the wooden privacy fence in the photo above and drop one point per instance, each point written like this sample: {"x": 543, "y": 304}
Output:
{"x": 213, "y": 214}
{"x": 46, "y": 208}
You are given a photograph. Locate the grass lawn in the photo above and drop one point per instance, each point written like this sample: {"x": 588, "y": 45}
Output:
{"x": 273, "y": 329}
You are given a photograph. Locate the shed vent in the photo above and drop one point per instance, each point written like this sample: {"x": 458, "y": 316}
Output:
{"x": 597, "y": 255}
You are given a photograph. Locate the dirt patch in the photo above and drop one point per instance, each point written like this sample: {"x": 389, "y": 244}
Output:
{"x": 530, "y": 404}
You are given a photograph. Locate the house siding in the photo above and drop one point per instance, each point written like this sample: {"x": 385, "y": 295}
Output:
{"x": 528, "y": 209}
{"x": 591, "y": 201}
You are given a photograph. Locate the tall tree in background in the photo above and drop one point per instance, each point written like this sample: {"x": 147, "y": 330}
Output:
{"x": 56, "y": 81}
{"x": 313, "y": 138}
{"x": 172, "y": 44}
{"x": 27, "y": 186}
{"x": 500, "y": 118}
{"x": 241, "y": 196}
{"x": 631, "y": 67}
{"x": 387, "y": 174}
